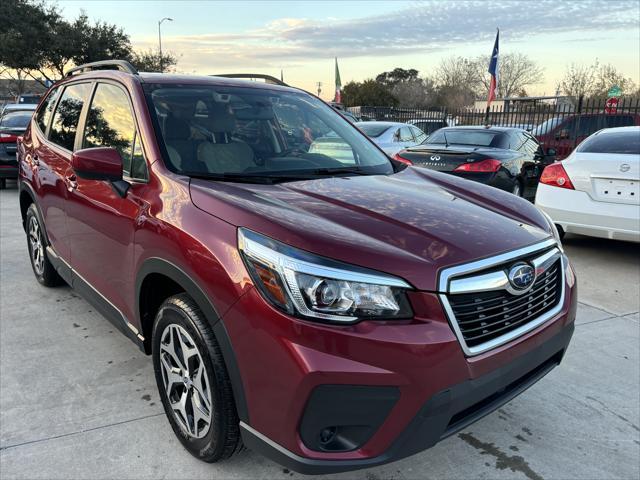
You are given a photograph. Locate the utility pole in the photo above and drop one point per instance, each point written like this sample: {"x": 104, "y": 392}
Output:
{"x": 319, "y": 85}
{"x": 160, "y": 39}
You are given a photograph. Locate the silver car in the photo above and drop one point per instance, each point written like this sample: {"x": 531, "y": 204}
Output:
{"x": 392, "y": 136}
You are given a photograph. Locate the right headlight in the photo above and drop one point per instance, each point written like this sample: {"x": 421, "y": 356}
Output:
{"x": 314, "y": 287}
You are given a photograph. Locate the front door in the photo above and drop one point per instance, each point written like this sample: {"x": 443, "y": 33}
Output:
{"x": 102, "y": 223}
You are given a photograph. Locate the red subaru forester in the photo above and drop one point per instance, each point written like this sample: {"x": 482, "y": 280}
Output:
{"x": 333, "y": 312}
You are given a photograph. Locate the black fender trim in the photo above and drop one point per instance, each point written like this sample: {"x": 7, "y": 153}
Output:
{"x": 26, "y": 187}
{"x": 175, "y": 273}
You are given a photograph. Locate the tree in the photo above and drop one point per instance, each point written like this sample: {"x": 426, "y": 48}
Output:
{"x": 149, "y": 61}
{"x": 517, "y": 71}
{"x": 578, "y": 80}
{"x": 368, "y": 92}
{"x": 397, "y": 75}
{"x": 606, "y": 77}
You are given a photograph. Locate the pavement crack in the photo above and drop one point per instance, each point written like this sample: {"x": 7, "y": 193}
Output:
{"x": 503, "y": 461}
{"x": 607, "y": 409}
{"x": 55, "y": 437}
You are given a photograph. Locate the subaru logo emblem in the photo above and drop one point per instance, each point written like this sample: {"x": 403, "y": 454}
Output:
{"x": 521, "y": 276}
{"x": 625, "y": 167}
{"x": 435, "y": 158}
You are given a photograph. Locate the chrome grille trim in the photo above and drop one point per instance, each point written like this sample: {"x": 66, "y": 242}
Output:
{"x": 447, "y": 285}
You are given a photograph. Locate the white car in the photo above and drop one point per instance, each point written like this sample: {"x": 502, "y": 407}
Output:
{"x": 595, "y": 191}
{"x": 392, "y": 136}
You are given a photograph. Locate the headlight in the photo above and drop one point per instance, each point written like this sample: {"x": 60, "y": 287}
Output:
{"x": 554, "y": 230}
{"x": 306, "y": 285}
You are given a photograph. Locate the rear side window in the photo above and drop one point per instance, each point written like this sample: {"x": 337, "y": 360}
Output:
{"x": 110, "y": 124}
{"x": 44, "y": 114}
{"x": 618, "y": 121}
{"x": 405, "y": 135}
{"x": 614, "y": 142}
{"x": 419, "y": 134}
{"x": 65, "y": 120}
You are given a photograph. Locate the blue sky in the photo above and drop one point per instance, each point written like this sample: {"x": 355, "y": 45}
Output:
{"x": 370, "y": 37}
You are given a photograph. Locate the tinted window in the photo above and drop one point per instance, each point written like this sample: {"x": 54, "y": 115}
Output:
{"x": 614, "y": 142}
{"x": 16, "y": 119}
{"x": 517, "y": 141}
{"x": 110, "y": 123}
{"x": 547, "y": 126}
{"x": 67, "y": 115}
{"x": 618, "y": 121}
{"x": 372, "y": 129}
{"x": 462, "y": 137}
{"x": 589, "y": 125}
{"x": 44, "y": 114}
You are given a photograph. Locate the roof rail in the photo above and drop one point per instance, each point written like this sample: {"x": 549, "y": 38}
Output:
{"x": 266, "y": 78}
{"x": 121, "y": 65}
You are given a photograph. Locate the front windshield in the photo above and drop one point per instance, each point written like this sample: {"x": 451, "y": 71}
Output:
{"x": 221, "y": 131}
{"x": 17, "y": 119}
{"x": 462, "y": 137}
{"x": 546, "y": 127}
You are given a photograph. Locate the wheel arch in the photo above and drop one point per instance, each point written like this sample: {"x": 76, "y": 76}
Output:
{"x": 158, "y": 277}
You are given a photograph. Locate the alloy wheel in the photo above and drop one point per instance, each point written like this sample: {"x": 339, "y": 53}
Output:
{"x": 185, "y": 380}
{"x": 36, "y": 247}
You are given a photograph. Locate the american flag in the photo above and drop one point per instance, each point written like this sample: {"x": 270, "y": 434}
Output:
{"x": 494, "y": 71}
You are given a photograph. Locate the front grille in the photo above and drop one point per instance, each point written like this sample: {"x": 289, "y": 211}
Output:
{"x": 484, "y": 316}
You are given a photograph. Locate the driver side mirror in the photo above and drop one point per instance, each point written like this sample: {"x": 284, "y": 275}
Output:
{"x": 101, "y": 163}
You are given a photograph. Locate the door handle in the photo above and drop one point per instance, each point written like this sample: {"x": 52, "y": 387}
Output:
{"x": 72, "y": 182}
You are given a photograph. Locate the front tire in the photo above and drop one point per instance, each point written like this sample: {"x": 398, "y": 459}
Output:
{"x": 193, "y": 381}
{"x": 42, "y": 268}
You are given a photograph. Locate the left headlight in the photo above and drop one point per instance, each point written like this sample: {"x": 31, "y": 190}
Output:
{"x": 310, "y": 286}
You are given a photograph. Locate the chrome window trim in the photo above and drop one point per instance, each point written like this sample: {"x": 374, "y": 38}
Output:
{"x": 543, "y": 262}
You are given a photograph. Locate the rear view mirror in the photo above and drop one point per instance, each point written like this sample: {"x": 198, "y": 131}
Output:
{"x": 101, "y": 163}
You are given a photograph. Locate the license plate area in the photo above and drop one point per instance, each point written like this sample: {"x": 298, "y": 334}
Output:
{"x": 617, "y": 190}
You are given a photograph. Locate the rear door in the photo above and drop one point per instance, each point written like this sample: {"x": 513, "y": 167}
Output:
{"x": 50, "y": 161}
{"x": 101, "y": 222}
{"x": 606, "y": 167}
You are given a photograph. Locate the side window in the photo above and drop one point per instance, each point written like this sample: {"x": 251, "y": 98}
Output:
{"x": 405, "y": 135}
{"x": 67, "y": 115}
{"x": 589, "y": 125}
{"x": 46, "y": 109}
{"x": 618, "y": 121}
{"x": 517, "y": 141}
{"x": 110, "y": 124}
{"x": 565, "y": 129}
{"x": 419, "y": 134}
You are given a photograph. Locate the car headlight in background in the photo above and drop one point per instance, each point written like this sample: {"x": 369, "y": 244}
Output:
{"x": 307, "y": 285}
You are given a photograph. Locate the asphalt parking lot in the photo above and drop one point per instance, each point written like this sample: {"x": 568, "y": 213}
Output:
{"x": 78, "y": 400}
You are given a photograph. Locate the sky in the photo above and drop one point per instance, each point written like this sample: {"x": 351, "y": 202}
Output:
{"x": 303, "y": 37}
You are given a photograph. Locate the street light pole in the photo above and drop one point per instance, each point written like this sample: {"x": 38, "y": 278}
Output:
{"x": 160, "y": 39}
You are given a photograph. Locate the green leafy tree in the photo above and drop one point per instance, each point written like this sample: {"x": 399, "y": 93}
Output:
{"x": 149, "y": 61}
{"x": 369, "y": 92}
{"x": 397, "y": 75}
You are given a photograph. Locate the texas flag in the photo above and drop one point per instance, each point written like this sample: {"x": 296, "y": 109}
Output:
{"x": 494, "y": 71}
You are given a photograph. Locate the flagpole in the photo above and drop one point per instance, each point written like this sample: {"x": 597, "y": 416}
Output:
{"x": 494, "y": 71}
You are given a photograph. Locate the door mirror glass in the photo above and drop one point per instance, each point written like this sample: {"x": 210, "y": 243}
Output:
{"x": 101, "y": 163}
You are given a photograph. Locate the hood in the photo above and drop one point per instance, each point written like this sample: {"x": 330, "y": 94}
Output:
{"x": 410, "y": 224}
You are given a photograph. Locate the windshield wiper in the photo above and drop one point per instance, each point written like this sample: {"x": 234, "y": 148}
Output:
{"x": 337, "y": 170}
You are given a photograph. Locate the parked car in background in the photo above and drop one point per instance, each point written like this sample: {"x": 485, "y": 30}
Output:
{"x": 331, "y": 317}
{"x": 506, "y": 158}
{"x": 29, "y": 98}
{"x": 344, "y": 112}
{"x": 13, "y": 123}
{"x": 428, "y": 125}
{"x": 595, "y": 191}
{"x": 563, "y": 133}
{"x": 527, "y": 127}
{"x": 392, "y": 136}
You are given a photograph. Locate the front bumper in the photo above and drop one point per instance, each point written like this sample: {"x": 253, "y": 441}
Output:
{"x": 283, "y": 361}
{"x": 444, "y": 414}
{"x": 576, "y": 212}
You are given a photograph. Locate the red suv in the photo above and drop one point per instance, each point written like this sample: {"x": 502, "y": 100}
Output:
{"x": 331, "y": 314}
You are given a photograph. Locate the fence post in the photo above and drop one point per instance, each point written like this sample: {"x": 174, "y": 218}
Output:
{"x": 576, "y": 128}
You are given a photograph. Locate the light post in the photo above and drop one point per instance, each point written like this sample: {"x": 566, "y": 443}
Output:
{"x": 160, "y": 38}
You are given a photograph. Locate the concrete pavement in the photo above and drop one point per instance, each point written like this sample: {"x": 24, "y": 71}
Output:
{"x": 78, "y": 400}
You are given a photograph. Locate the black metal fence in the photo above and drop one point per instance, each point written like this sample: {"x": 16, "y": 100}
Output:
{"x": 591, "y": 114}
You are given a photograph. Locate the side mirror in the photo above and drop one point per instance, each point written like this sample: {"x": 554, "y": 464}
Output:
{"x": 101, "y": 163}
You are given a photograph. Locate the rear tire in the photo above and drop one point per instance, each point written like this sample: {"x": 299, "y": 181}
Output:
{"x": 36, "y": 243}
{"x": 193, "y": 382}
